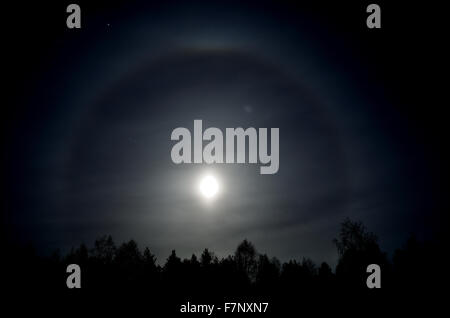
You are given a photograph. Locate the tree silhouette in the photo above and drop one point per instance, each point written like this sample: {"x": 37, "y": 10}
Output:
{"x": 206, "y": 258}
{"x": 413, "y": 258}
{"x": 245, "y": 258}
{"x": 325, "y": 276}
{"x": 194, "y": 261}
{"x": 129, "y": 263}
{"x": 268, "y": 272}
{"x": 128, "y": 254}
{"x": 357, "y": 248}
{"x": 149, "y": 260}
{"x": 172, "y": 271}
{"x": 104, "y": 250}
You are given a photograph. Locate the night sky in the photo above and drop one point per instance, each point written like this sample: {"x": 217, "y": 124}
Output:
{"x": 88, "y": 115}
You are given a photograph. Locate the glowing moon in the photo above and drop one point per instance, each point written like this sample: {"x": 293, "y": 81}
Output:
{"x": 209, "y": 187}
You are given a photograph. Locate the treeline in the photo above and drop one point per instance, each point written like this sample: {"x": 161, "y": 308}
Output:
{"x": 107, "y": 266}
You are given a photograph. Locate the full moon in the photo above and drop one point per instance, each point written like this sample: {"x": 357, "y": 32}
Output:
{"x": 209, "y": 187}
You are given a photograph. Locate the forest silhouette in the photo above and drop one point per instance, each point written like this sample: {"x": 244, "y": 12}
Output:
{"x": 107, "y": 266}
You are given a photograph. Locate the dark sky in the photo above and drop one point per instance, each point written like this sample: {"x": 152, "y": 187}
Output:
{"x": 90, "y": 112}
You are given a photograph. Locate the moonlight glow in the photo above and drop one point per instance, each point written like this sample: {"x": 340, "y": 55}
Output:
{"x": 209, "y": 187}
